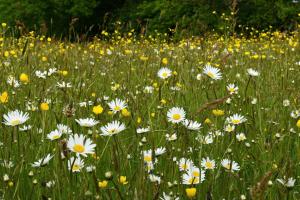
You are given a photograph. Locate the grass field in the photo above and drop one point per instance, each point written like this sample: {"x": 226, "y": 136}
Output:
{"x": 125, "y": 118}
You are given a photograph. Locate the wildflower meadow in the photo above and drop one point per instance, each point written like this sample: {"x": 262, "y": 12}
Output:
{"x": 123, "y": 116}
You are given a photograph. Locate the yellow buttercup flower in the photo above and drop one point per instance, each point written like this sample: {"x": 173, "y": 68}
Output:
{"x": 139, "y": 120}
{"x": 165, "y": 61}
{"x": 298, "y": 123}
{"x": 163, "y": 101}
{"x": 97, "y": 109}
{"x": 44, "y": 58}
{"x": 122, "y": 180}
{"x": 24, "y": 78}
{"x": 64, "y": 73}
{"x": 102, "y": 184}
{"x": 190, "y": 192}
{"x": 4, "y": 97}
{"x": 125, "y": 112}
{"x": 218, "y": 112}
{"x": 207, "y": 121}
{"x": 44, "y": 106}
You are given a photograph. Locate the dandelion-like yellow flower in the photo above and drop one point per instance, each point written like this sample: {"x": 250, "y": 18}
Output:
{"x": 190, "y": 192}
{"x": 4, "y": 97}
{"x": 122, "y": 180}
{"x": 44, "y": 106}
{"x": 298, "y": 123}
{"x": 165, "y": 61}
{"x": 97, "y": 109}
{"x": 218, "y": 112}
{"x": 125, "y": 112}
{"x": 24, "y": 78}
{"x": 102, "y": 184}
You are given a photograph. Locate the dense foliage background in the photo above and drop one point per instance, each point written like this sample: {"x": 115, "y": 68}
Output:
{"x": 184, "y": 17}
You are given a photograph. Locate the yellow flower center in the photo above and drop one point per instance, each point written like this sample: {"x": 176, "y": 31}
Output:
{"x": 209, "y": 165}
{"x": 117, "y": 108}
{"x": 15, "y": 122}
{"x": 211, "y": 75}
{"x": 231, "y": 89}
{"x": 236, "y": 121}
{"x": 148, "y": 158}
{"x": 75, "y": 167}
{"x": 196, "y": 173}
{"x": 193, "y": 180}
{"x": 184, "y": 166}
{"x": 55, "y": 137}
{"x": 78, "y": 148}
{"x": 164, "y": 74}
{"x": 176, "y": 116}
{"x": 112, "y": 131}
{"x": 227, "y": 166}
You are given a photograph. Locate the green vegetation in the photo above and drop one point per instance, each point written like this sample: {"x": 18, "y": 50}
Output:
{"x": 204, "y": 118}
{"x": 184, "y": 17}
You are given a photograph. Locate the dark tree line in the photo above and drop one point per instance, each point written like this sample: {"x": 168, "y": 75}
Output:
{"x": 64, "y": 17}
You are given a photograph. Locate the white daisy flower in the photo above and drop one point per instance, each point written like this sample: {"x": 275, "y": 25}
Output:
{"x": 286, "y": 103}
{"x": 207, "y": 139}
{"x": 236, "y": 119}
{"x": 252, "y": 72}
{"x": 240, "y": 137}
{"x": 149, "y": 166}
{"x": 176, "y": 115}
{"x": 171, "y": 137}
{"x": 51, "y": 71}
{"x": 143, "y": 130}
{"x": 295, "y": 114}
{"x": 153, "y": 178}
{"x": 41, "y": 74}
{"x": 90, "y": 168}
{"x": 232, "y": 88}
{"x": 43, "y": 161}
{"x": 212, "y": 72}
{"x": 25, "y": 128}
{"x": 13, "y": 82}
{"x": 193, "y": 176}
{"x": 81, "y": 145}
{"x": 63, "y": 85}
{"x": 117, "y": 105}
{"x": 147, "y": 155}
{"x": 54, "y": 135}
{"x": 290, "y": 182}
{"x": 229, "y": 128}
{"x": 159, "y": 151}
{"x": 148, "y": 89}
{"x": 168, "y": 197}
{"x": 112, "y": 128}
{"x": 230, "y": 165}
{"x": 164, "y": 73}
{"x": 75, "y": 164}
{"x": 207, "y": 163}
{"x": 87, "y": 122}
{"x": 185, "y": 164}
{"x": 192, "y": 125}
{"x": 15, "y": 118}
{"x": 64, "y": 129}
